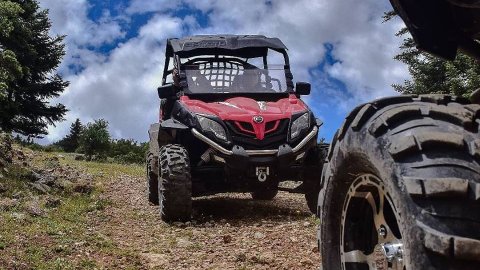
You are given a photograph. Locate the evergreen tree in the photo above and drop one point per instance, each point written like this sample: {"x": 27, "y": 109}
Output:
{"x": 28, "y": 62}
{"x": 72, "y": 141}
{"x": 10, "y": 69}
{"x": 95, "y": 139}
{"x": 433, "y": 75}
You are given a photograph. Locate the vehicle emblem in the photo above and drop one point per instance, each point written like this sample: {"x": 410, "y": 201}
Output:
{"x": 258, "y": 119}
{"x": 262, "y": 105}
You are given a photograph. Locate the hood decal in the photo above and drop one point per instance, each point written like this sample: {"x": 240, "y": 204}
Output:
{"x": 229, "y": 104}
{"x": 262, "y": 105}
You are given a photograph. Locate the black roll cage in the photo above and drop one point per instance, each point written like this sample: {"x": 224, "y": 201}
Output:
{"x": 229, "y": 46}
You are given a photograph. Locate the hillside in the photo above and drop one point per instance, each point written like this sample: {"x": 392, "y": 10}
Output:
{"x": 59, "y": 213}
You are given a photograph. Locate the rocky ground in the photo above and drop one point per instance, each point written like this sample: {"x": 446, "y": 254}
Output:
{"x": 60, "y": 213}
{"x": 229, "y": 231}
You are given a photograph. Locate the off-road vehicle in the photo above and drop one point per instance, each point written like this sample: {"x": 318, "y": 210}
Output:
{"x": 401, "y": 185}
{"x": 230, "y": 120}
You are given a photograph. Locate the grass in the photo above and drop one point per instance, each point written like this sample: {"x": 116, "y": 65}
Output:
{"x": 61, "y": 238}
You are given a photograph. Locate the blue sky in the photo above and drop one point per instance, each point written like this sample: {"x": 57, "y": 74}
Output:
{"x": 115, "y": 52}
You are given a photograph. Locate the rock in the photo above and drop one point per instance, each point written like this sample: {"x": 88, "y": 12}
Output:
{"x": 83, "y": 187}
{"x": 3, "y": 188}
{"x": 258, "y": 235}
{"x": 79, "y": 244}
{"x": 155, "y": 260}
{"x": 34, "y": 209}
{"x": 227, "y": 239}
{"x": 18, "y": 216}
{"x": 35, "y": 177}
{"x": 17, "y": 195}
{"x": 183, "y": 243}
{"x": 52, "y": 202}
{"x": 241, "y": 257}
{"x": 7, "y": 204}
{"x": 306, "y": 224}
{"x": 6, "y": 151}
{"x": 53, "y": 159}
{"x": 306, "y": 262}
{"x": 60, "y": 248}
{"x": 43, "y": 188}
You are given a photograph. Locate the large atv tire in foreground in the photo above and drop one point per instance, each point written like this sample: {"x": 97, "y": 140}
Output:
{"x": 401, "y": 189}
{"x": 174, "y": 183}
{"x": 313, "y": 170}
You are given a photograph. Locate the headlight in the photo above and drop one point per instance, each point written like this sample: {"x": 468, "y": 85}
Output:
{"x": 299, "y": 124}
{"x": 209, "y": 125}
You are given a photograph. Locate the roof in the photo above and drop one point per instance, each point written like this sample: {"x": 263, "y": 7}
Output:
{"x": 193, "y": 45}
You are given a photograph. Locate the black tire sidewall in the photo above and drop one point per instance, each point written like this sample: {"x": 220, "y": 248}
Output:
{"x": 152, "y": 180}
{"x": 355, "y": 155}
{"x": 175, "y": 201}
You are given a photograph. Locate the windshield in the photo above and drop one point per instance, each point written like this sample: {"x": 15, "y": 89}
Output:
{"x": 225, "y": 77}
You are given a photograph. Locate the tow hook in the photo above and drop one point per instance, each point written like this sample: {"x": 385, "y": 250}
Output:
{"x": 262, "y": 173}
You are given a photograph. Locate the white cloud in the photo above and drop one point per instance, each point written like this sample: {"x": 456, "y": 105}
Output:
{"x": 120, "y": 86}
{"x": 69, "y": 17}
{"x": 142, "y": 6}
{"x": 121, "y": 89}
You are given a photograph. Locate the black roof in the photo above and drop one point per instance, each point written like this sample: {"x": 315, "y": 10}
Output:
{"x": 251, "y": 45}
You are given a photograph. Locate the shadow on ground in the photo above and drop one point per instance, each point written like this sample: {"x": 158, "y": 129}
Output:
{"x": 245, "y": 210}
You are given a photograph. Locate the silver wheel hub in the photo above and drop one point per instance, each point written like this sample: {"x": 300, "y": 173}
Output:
{"x": 381, "y": 250}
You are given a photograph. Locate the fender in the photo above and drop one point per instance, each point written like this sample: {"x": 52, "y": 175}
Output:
{"x": 172, "y": 124}
{"x": 158, "y": 137}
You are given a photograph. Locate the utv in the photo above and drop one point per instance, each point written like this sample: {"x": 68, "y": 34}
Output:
{"x": 230, "y": 120}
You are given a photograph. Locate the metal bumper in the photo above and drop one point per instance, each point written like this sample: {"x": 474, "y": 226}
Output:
{"x": 227, "y": 152}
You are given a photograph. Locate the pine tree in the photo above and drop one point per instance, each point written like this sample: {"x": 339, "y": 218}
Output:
{"x": 433, "y": 75}
{"x": 10, "y": 69}
{"x": 29, "y": 85}
{"x": 72, "y": 141}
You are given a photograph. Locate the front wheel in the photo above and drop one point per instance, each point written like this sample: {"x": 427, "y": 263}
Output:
{"x": 174, "y": 184}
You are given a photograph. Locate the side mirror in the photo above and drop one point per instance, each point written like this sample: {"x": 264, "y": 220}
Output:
{"x": 166, "y": 91}
{"x": 302, "y": 88}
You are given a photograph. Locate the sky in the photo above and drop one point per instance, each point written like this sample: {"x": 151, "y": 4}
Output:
{"x": 115, "y": 53}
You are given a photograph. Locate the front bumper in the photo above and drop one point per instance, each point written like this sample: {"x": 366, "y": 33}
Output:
{"x": 279, "y": 160}
{"x": 312, "y": 134}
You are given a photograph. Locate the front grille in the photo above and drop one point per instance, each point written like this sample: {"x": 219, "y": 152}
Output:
{"x": 242, "y": 134}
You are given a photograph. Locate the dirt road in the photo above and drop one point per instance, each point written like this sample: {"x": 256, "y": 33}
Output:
{"x": 228, "y": 231}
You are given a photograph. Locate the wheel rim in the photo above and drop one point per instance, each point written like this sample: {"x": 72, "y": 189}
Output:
{"x": 370, "y": 235}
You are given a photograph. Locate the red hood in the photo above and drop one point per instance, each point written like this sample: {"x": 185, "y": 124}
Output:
{"x": 242, "y": 109}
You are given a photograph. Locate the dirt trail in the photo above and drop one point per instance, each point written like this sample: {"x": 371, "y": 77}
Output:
{"x": 228, "y": 231}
